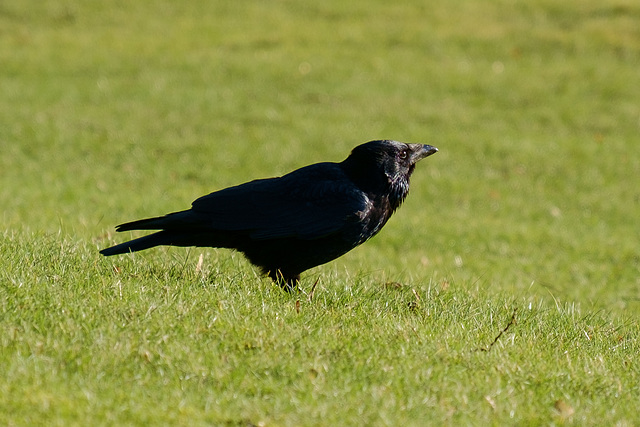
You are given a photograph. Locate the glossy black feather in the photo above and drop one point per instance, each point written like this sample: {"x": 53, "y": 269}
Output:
{"x": 289, "y": 224}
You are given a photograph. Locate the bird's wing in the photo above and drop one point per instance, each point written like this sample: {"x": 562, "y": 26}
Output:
{"x": 309, "y": 203}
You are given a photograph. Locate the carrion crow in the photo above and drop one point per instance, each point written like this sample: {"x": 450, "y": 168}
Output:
{"x": 288, "y": 224}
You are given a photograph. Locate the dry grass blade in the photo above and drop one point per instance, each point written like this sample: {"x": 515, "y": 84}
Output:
{"x": 512, "y": 321}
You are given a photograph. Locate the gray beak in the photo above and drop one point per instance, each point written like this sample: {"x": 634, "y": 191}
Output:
{"x": 421, "y": 151}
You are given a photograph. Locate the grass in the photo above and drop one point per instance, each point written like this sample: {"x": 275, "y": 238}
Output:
{"x": 123, "y": 110}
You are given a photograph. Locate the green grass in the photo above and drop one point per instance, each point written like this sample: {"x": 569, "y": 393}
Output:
{"x": 121, "y": 110}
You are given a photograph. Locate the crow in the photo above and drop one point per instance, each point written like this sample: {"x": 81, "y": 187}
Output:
{"x": 289, "y": 224}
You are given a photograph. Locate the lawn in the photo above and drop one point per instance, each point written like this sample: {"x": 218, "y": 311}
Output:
{"x": 506, "y": 290}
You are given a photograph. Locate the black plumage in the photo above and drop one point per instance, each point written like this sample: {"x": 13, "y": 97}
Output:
{"x": 288, "y": 224}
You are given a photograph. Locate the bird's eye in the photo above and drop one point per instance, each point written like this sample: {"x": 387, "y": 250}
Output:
{"x": 403, "y": 154}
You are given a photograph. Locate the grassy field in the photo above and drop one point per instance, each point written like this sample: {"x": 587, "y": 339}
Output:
{"x": 505, "y": 291}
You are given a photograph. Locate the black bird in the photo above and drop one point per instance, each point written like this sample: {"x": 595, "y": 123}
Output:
{"x": 288, "y": 224}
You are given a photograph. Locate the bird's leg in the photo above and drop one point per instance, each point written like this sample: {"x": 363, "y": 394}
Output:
{"x": 287, "y": 283}
{"x": 291, "y": 284}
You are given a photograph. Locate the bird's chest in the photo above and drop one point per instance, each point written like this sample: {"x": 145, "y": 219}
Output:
{"x": 374, "y": 217}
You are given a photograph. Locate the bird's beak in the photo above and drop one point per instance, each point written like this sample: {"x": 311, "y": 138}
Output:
{"x": 421, "y": 151}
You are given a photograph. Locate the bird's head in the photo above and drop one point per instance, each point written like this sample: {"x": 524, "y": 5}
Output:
{"x": 394, "y": 159}
{"x": 388, "y": 163}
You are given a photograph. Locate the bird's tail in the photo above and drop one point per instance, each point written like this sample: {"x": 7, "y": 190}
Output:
{"x": 156, "y": 223}
{"x": 177, "y": 229}
{"x": 139, "y": 244}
